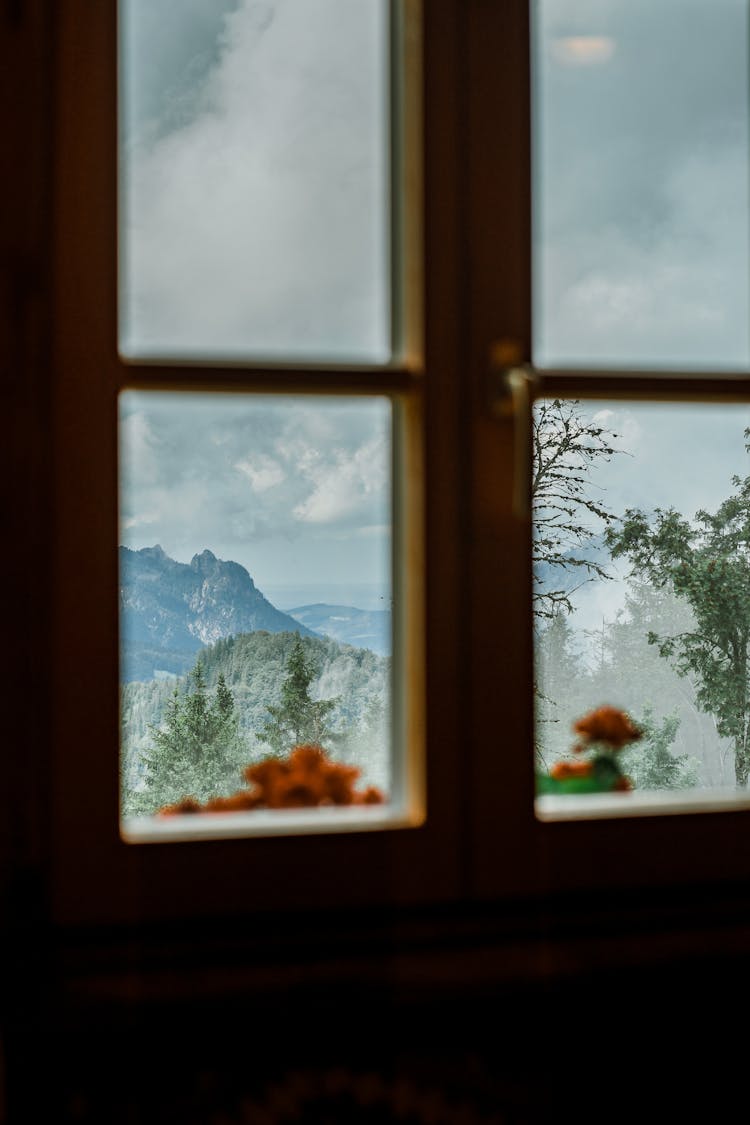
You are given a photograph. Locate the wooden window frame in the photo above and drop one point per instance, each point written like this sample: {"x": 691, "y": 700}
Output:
{"x": 95, "y": 875}
{"x": 604, "y": 856}
{"x": 481, "y": 841}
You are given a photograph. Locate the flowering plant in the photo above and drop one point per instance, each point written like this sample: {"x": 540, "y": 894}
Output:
{"x": 305, "y": 779}
{"x": 602, "y": 733}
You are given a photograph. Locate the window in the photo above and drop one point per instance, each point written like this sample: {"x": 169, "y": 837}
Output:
{"x": 225, "y": 675}
{"x": 640, "y": 175}
{"x": 256, "y": 164}
{"x": 639, "y": 601}
{"x": 263, "y": 221}
{"x": 472, "y": 660}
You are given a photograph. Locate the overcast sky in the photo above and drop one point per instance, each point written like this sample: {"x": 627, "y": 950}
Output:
{"x": 642, "y": 182}
{"x": 255, "y": 222}
{"x": 255, "y": 175}
{"x": 675, "y": 456}
{"x": 296, "y": 490}
{"x": 641, "y": 231}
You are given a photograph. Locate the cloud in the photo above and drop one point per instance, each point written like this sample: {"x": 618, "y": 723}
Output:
{"x": 139, "y": 445}
{"x": 146, "y": 519}
{"x": 678, "y": 297}
{"x": 260, "y": 224}
{"x": 303, "y": 482}
{"x": 343, "y": 482}
{"x": 642, "y": 188}
{"x": 168, "y": 48}
{"x": 262, "y": 472}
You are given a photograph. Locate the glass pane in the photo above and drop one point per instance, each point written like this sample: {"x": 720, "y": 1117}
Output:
{"x": 641, "y": 183}
{"x": 642, "y": 596}
{"x": 255, "y": 585}
{"x": 255, "y": 169}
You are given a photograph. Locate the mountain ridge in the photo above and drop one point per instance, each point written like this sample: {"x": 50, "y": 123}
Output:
{"x": 169, "y": 609}
{"x": 363, "y": 628}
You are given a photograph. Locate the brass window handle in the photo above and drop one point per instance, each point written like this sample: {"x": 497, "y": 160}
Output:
{"x": 512, "y": 397}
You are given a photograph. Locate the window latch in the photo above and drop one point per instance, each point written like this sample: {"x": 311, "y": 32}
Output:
{"x": 511, "y": 395}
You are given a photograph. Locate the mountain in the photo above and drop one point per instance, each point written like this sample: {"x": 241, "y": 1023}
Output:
{"x": 169, "y": 610}
{"x": 362, "y": 628}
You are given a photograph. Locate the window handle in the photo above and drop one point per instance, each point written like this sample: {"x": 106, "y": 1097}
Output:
{"x": 511, "y": 397}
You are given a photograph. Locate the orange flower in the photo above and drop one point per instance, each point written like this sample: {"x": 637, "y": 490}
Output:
{"x": 306, "y": 779}
{"x": 370, "y": 796}
{"x": 237, "y": 802}
{"x": 270, "y": 779}
{"x": 312, "y": 779}
{"x": 605, "y": 724}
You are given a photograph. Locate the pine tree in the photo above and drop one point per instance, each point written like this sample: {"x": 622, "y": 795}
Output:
{"x": 224, "y": 698}
{"x": 561, "y": 687}
{"x": 299, "y": 718}
{"x": 651, "y": 764}
{"x": 197, "y": 750}
{"x": 365, "y": 743}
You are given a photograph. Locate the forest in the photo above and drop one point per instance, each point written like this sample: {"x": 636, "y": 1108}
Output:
{"x": 674, "y": 654}
{"x": 249, "y": 697}
{"x": 672, "y": 651}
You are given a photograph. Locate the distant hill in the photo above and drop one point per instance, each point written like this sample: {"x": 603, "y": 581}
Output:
{"x": 169, "y": 610}
{"x": 362, "y": 628}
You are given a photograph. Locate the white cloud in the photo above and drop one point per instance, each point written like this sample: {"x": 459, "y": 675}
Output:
{"x": 146, "y": 519}
{"x": 295, "y": 488}
{"x": 343, "y": 483}
{"x": 262, "y": 472}
{"x": 139, "y": 447}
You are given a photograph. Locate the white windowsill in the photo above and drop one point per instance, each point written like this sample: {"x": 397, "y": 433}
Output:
{"x": 599, "y": 806}
{"x": 265, "y": 822}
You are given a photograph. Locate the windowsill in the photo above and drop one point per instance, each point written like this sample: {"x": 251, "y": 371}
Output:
{"x": 265, "y": 822}
{"x": 599, "y": 806}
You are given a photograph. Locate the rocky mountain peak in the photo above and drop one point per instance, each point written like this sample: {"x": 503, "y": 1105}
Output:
{"x": 172, "y": 607}
{"x": 205, "y": 561}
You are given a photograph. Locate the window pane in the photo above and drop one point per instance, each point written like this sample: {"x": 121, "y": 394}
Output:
{"x": 642, "y": 591}
{"x": 641, "y": 183}
{"x": 255, "y": 572}
{"x": 255, "y": 173}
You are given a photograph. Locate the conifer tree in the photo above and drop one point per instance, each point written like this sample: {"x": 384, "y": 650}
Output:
{"x": 651, "y": 764}
{"x": 298, "y": 718}
{"x": 197, "y": 750}
{"x": 561, "y": 688}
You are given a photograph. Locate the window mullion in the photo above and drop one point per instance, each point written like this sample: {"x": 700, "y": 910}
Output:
{"x": 657, "y": 386}
{"x": 268, "y": 379}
